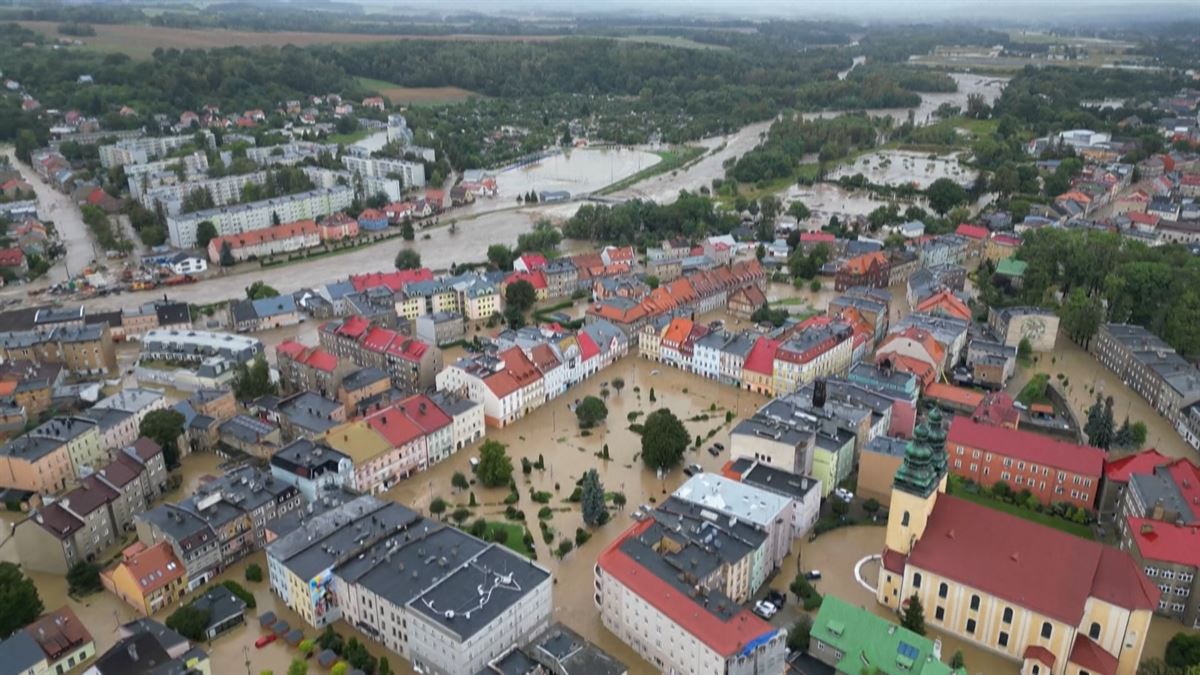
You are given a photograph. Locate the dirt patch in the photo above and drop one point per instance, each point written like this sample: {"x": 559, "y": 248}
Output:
{"x": 140, "y": 41}
{"x": 426, "y": 95}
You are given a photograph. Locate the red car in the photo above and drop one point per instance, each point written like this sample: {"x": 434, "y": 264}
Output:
{"x": 264, "y": 640}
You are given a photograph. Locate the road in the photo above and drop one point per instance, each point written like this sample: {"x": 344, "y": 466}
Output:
{"x": 58, "y": 207}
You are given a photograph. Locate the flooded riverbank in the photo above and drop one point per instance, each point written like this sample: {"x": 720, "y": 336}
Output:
{"x": 902, "y": 167}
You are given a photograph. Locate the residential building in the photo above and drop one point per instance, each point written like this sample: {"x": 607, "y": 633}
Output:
{"x": 558, "y": 649}
{"x": 802, "y": 492}
{"x": 684, "y": 620}
{"x": 225, "y": 610}
{"x": 768, "y": 511}
{"x": 844, "y": 637}
{"x": 410, "y": 363}
{"x": 819, "y": 347}
{"x": 36, "y": 465}
{"x": 440, "y": 328}
{"x": 265, "y": 241}
{"x": 263, "y": 314}
{"x": 76, "y": 528}
{"x": 991, "y": 363}
{"x": 147, "y": 578}
{"x": 1116, "y": 478}
{"x": 985, "y": 576}
{"x": 81, "y": 350}
{"x": 192, "y": 539}
{"x": 56, "y": 642}
{"x": 304, "y": 368}
{"x": 1150, "y": 367}
{"x": 146, "y": 647}
{"x": 1053, "y": 471}
{"x": 361, "y": 387}
{"x": 869, "y": 269}
{"x": 242, "y": 219}
{"x": 312, "y": 468}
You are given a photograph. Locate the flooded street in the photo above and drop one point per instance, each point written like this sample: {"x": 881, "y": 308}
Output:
{"x": 902, "y": 167}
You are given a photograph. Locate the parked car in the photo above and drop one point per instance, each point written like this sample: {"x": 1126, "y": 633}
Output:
{"x": 719, "y": 446}
{"x": 712, "y": 450}
{"x": 647, "y": 508}
{"x": 844, "y": 494}
{"x": 813, "y": 575}
{"x": 777, "y": 598}
{"x": 693, "y": 469}
{"x": 765, "y": 609}
{"x": 264, "y": 641}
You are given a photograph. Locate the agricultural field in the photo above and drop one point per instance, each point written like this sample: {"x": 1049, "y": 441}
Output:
{"x": 139, "y": 41}
{"x": 399, "y": 95}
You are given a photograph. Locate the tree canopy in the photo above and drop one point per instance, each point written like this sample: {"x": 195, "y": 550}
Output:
{"x": 664, "y": 439}
{"x": 408, "y": 259}
{"x": 495, "y": 466}
{"x": 590, "y": 412}
{"x": 20, "y": 603}
{"x": 164, "y": 427}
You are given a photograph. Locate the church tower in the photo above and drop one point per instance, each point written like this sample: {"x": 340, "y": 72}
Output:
{"x": 921, "y": 476}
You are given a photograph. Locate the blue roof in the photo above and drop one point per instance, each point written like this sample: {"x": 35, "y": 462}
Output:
{"x": 339, "y": 289}
{"x": 281, "y": 304}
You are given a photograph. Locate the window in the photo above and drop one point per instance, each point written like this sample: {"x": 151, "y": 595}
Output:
{"x": 943, "y": 589}
{"x": 974, "y": 603}
{"x": 1094, "y": 631}
{"x": 904, "y": 520}
{"x": 940, "y": 613}
{"x": 958, "y": 464}
{"x": 1003, "y": 641}
{"x": 1037, "y": 670}
{"x": 971, "y": 626}
{"x": 1047, "y": 629}
{"x": 1168, "y": 574}
{"x": 1008, "y": 615}
{"x": 916, "y": 580}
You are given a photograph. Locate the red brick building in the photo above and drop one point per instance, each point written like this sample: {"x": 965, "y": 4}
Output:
{"x": 1054, "y": 471}
{"x": 869, "y": 269}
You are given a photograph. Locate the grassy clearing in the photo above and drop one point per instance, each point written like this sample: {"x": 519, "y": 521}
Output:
{"x": 514, "y": 536}
{"x": 671, "y": 41}
{"x": 1033, "y": 516}
{"x": 671, "y": 160}
{"x": 350, "y": 138}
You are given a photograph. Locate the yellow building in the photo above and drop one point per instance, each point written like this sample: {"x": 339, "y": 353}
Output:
{"x": 1056, "y": 603}
{"x": 481, "y": 305}
{"x": 149, "y": 579}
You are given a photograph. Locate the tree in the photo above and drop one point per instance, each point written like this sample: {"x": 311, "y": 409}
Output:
{"x": 275, "y": 219}
{"x": 460, "y": 515}
{"x": 205, "y": 232}
{"x": 407, "y": 231}
{"x": 500, "y": 256}
{"x": 590, "y": 412}
{"x": 664, "y": 439}
{"x": 459, "y": 481}
{"x": 189, "y": 621}
{"x": 520, "y": 295}
{"x": 1099, "y": 426}
{"x": 958, "y": 660}
{"x": 437, "y": 507}
{"x": 254, "y": 573}
{"x": 26, "y": 143}
{"x": 798, "y": 210}
{"x": 798, "y": 636}
{"x": 164, "y": 427}
{"x": 298, "y": 667}
{"x": 1183, "y": 651}
{"x": 226, "y": 255}
{"x": 619, "y": 500}
{"x": 83, "y": 578}
{"x": 913, "y": 617}
{"x": 618, "y": 383}
{"x": 1081, "y": 316}
{"x": 514, "y": 317}
{"x": 1137, "y": 434}
{"x": 385, "y": 668}
{"x": 408, "y": 259}
{"x": 1024, "y": 350}
{"x": 19, "y": 600}
{"x": 944, "y": 194}
{"x": 259, "y": 290}
{"x": 253, "y": 381}
{"x": 652, "y": 282}
{"x": 1124, "y": 435}
{"x": 495, "y": 466}
{"x": 592, "y": 499}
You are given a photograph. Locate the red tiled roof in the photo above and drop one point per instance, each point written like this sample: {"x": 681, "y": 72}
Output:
{"x": 299, "y": 228}
{"x": 1006, "y": 240}
{"x": 1026, "y": 445}
{"x": 863, "y": 263}
{"x": 408, "y": 349}
{"x": 11, "y": 257}
{"x": 372, "y": 215}
{"x": 677, "y": 331}
{"x": 396, "y": 281}
{"x": 152, "y": 567}
{"x": 1159, "y": 540}
{"x": 893, "y": 561}
{"x": 1092, "y": 656}
{"x": 502, "y": 384}
{"x": 997, "y": 409}
{"x": 1142, "y": 462}
{"x": 948, "y": 392}
{"x": 761, "y": 358}
{"x": 817, "y": 237}
{"x": 393, "y": 425}
{"x": 289, "y": 348}
{"x": 726, "y": 638}
{"x": 354, "y": 327}
{"x": 971, "y": 231}
{"x": 1040, "y": 654}
{"x": 923, "y": 370}
{"x": 945, "y": 302}
{"x": 543, "y": 357}
{"x": 1008, "y": 557}
{"x": 535, "y": 279}
{"x": 1187, "y": 478}
{"x": 424, "y": 413}
{"x": 533, "y": 261}
{"x": 587, "y": 346}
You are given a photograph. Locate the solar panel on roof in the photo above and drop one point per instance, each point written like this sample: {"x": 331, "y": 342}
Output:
{"x": 907, "y": 650}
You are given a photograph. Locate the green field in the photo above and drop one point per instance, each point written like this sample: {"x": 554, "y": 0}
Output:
{"x": 514, "y": 536}
{"x": 400, "y": 95}
{"x": 350, "y": 138}
{"x": 671, "y": 41}
{"x": 671, "y": 160}
{"x": 1012, "y": 509}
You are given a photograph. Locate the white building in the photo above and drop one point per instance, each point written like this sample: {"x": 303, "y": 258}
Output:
{"x": 468, "y": 425}
{"x": 230, "y": 220}
{"x": 411, "y": 174}
{"x": 142, "y": 150}
{"x": 803, "y": 492}
{"x": 369, "y": 185}
{"x": 224, "y": 190}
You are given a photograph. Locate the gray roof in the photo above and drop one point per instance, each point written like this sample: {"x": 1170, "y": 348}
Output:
{"x": 20, "y": 652}
{"x": 764, "y": 427}
{"x": 221, "y": 604}
{"x": 1159, "y": 488}
{"x": 329, "y": 538}
{"x": 245, "y": 428}
{"x": 474, "y": 594}
{"x": 63, "y": 429}
{"x": 310, "y": 411}
{"x": 782, "y": 482}
{"x": 886, "y": 445}
{"x": 363, "y": 377}
{"x": 603, "y": 332}
{"x": 29, "y": 448}
{"x": 106, "y": 418}
{"x": 132, "y": 399}
{"x": 564, "y": 648}
{"x": 313, "y": 458}
{"x": 452, "y": 405}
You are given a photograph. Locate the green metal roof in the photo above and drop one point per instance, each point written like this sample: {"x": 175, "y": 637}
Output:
{"x": 867, "y": 640}
{"x": 1011, "y": 267}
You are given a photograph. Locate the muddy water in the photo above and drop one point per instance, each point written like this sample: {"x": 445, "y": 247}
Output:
{"x": 552, "y": 432}
{"x": 829, "y": 199}
{"x": 968, "y": 83}
{"x": 901, "y": 167}
{"x": 1083, "y": 375}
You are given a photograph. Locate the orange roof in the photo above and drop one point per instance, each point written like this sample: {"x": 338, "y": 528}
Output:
{"x": 7, "y": 388}
{"x": 905, "y": 364}
{"x": 863, "y": 263}
{"x": 152, "y": 567}
{"x": 921, "y": 337}
{"x": 299, "y": 228}
{"x": 952, "y": 394}
{"x": 677, "y": 331}
{"x": 947, "y": 303}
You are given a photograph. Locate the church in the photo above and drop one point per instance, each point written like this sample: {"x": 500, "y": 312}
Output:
{"x": 1056, "y": 603}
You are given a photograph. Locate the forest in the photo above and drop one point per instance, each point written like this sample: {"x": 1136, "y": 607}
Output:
{"x": 792, "y": 138}
{"x": 646, "y": 223}
{"x": 1102, "y": 277}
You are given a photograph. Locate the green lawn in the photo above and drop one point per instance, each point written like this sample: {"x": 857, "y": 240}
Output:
{"x": 671, "y": 159}
{"x": 350, "y": 138}
{"x": 515, "y": 536}
{"x": 1040, "y": 518}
